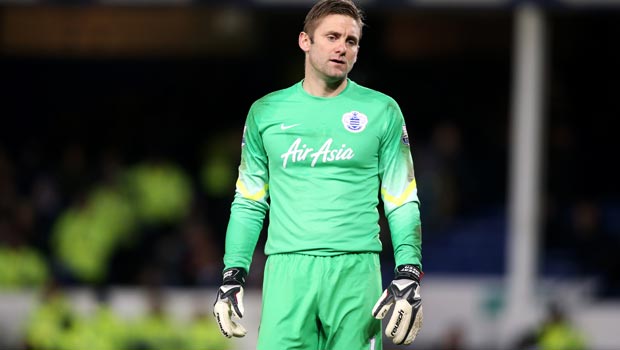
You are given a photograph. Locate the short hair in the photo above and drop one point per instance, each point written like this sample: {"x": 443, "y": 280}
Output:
{"x": 324, "y": 8}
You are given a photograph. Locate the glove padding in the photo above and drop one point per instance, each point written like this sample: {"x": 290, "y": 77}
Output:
{"x": 404, "y": 294}
{"x": 229, "y": 302}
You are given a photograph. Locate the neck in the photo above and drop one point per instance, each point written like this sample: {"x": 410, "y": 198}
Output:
{"x": 322, "y": 87}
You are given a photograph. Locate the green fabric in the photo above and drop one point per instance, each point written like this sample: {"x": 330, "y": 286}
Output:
{"x": 320, "y": 166}
{"x": 320, "y": 302}
{"x": 407, "y": 247}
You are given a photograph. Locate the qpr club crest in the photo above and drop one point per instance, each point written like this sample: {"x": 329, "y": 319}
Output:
{"x": 354, "y": 121}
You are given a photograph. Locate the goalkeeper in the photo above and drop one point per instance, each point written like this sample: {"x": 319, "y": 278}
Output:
{"x": 319, "y": 156}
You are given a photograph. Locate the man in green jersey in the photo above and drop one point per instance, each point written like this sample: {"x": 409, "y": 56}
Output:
{"x": 318, "y": 156}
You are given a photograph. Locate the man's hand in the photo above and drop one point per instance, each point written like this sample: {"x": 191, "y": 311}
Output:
{"x": 404, "y": 294}
{"x": 229, "y": 302}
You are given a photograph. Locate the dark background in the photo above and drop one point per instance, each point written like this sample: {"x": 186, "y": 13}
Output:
{"x": 135, "y": 93}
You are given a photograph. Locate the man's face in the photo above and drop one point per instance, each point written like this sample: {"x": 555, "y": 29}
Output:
{"x": 332, "y": 52}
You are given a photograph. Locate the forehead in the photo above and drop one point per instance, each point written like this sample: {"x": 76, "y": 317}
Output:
{"x": 339, "y": 24}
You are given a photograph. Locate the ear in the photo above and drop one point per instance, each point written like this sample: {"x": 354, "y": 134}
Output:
{"x": 304, "y": 41}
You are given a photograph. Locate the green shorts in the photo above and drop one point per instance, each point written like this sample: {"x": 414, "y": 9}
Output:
{"x": 320, "y": 302}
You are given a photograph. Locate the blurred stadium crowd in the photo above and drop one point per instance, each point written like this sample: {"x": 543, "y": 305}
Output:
{"x": 101, "y": 220}
{"x": 120, "y": 172}
{"x": 56, "y": 323}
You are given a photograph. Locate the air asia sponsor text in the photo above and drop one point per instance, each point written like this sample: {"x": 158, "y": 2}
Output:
{"x": 323, "y": 154}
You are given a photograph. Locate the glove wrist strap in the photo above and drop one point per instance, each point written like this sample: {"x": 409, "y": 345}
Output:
{"x": 408, "y": 271}
{"x": 234, "y": 275}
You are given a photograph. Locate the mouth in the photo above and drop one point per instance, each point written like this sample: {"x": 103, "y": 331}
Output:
{"x": 337, "y": 61}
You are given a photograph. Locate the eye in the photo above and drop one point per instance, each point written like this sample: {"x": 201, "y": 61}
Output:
{"x": 331, "y": 37}
{"x": 352, "y": 42}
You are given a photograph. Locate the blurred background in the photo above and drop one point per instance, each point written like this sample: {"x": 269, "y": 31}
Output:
{"x": 120, "y": 131}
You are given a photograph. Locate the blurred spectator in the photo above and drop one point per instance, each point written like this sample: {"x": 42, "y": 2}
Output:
{"x": 556, "y": 332}
{"x": 85, "y": 235}
{"x": 50, "y": 321}
{"x": 218, "y": 175}
{"x": 202, "y": 333}
{"x": 74, "y": 174}
{"x": 46, "y": 201}
{"x": 219, "y": 166}
{"x": 595, "y": 247}
{"x": 21, "y": 265}
{"x": 160, "y": 191}
{"x": 577, "y": 237}
{"x": 106, "y": 330}
{"x": 202, "y": 264}
{"x": 445, "y": 175}
{"x": 453, "y": 338}
{"x": 155, "y": 329}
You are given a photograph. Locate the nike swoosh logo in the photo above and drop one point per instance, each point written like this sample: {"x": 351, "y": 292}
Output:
{"x": 284, "y": 127}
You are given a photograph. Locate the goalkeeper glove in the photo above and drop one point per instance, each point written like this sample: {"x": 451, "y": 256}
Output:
{"x": 404, "y": 294}
{"x": 229, "y": 302}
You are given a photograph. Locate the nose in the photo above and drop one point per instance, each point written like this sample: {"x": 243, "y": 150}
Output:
{"x": 341, "y": 47}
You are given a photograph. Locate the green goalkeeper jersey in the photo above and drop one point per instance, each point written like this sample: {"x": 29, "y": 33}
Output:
{"x": 319, "y": 167}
